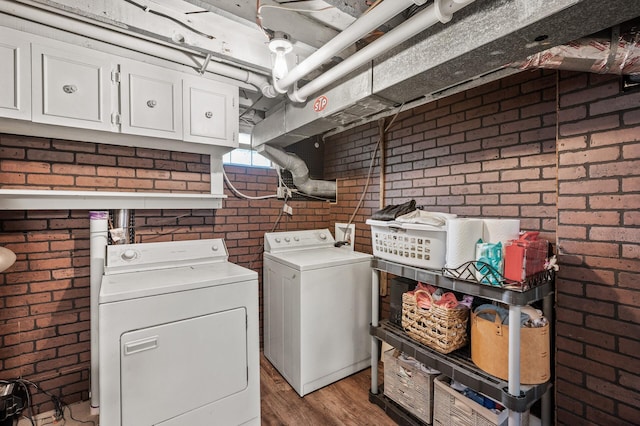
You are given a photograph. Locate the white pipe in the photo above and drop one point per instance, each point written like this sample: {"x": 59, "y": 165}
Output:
{"x": 98, "y": 229}
{"x": 514, "y": 361}
{"x": 358, "y": 29}
{"x": 375, "y": 344}
{"x": 299, "y": 172}
{"x": 182, "y": 56}
{"x": 439, "y": 11}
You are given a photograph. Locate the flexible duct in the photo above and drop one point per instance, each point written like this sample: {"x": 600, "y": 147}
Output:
{"x": 358, "y": 29}
{"x": 182, "y": 56}
{"x": 299, "y": 172}
{"x": 439, "y": 11}
{"x": 618, "y": 55}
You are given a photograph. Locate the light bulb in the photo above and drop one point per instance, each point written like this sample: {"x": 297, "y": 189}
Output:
{"x": 280, "y": 68}
{"x": 280, "y": 45}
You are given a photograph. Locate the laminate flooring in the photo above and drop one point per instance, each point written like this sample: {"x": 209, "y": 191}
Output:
{"x": 344, "y": 403}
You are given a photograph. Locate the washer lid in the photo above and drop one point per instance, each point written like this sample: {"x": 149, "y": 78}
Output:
{"x": 304, "y": 260}
{"x": 148, "y": 283}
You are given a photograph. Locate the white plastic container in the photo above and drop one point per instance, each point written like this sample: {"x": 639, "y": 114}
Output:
{"x": 423, "y": 246}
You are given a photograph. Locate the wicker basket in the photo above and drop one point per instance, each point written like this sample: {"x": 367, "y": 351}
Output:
{"x": 440, "y": 328}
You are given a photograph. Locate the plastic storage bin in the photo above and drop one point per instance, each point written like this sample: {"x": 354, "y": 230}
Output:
{"x": 452, "y": 408}
{"x": 423, "y": 246}
{"x": 406, "y": 383}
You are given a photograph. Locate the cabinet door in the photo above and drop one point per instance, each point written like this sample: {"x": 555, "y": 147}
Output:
{"x": 210, "y": 112}
{"x": 15, "y": 74}
{"x": 151, "y": 101}
{"x": 72, "y": 87}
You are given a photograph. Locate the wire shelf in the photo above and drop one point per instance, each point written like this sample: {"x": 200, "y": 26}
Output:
{"x": 485, "y": 274}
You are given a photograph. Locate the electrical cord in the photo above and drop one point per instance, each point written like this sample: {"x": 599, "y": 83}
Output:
{"x": 58, "y": 404}
{"x": 369, "y": 173}
{"x": 248, "y": 197}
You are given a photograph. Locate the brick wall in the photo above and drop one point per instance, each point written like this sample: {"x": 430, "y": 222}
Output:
{"x": 489, "y": 151}
{"x": 492, "y": 151}
{"x": 598, "y": 298}
{"x": 44, "y": 297}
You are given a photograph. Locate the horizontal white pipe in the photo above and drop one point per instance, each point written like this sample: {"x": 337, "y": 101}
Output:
{"x": 182, "y": 56}
{"x": 358, "y": 29}
{"x": 440, "y": 11}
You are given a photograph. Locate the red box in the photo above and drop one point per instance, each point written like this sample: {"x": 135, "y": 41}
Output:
{"x": 525, "y": 256}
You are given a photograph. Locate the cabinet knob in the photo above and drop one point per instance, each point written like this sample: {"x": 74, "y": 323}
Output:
{"x": 151, "y": 103}
{"x": 70, "y": 88}
{"x": 208, "y": 114}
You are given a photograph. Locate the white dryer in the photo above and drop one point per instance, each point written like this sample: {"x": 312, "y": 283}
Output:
{"x": 178, "y": 333}
{"x": 317, "y": 308}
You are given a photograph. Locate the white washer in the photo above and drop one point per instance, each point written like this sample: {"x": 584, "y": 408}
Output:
{"x": 179, "y": 337}
{"x": 317, "y": 308}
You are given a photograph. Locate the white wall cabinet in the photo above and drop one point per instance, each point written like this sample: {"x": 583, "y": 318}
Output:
{"x": 55, "y": 83}
{"x": 210, "y": 112}
{"x": 15, "y": 73}
{"x": 151, "y": 100}
{"x": 71, "y": 87}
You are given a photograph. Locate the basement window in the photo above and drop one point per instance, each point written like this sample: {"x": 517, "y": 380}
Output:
{"x": 244, "y": 155}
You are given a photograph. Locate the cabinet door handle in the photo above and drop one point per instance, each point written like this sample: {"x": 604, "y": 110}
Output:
{"x": 70, "y": 88}
{"x": 208, "y": 114}
{"x": 151, "y": 103}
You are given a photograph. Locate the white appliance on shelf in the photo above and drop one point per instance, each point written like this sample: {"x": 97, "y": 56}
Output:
{"x": 317, "y": 308}
{"x": 179, "y": 336}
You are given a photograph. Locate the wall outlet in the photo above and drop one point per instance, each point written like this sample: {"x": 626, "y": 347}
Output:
{"x": 281, "y": 191}
{"x": 287, "y": 209}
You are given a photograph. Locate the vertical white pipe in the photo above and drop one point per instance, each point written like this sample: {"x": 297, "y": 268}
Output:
{"x": 514, "y": 360}
{"x": 440, "y": 11}
{"x": 375, "y": 306}
{"x": 98, "y": 229}
{"x": 354, "y": 32}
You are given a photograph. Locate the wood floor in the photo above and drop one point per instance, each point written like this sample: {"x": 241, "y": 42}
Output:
{"x": 344, "y": 403}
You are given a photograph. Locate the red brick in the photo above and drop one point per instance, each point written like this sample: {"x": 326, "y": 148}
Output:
{"x": 588, "y": 95}
{"x": 628, "y": 414}
{"x": 588, "y": 397}
{"x": 622, "y": 296}
{"x": 628, "y": 101}
{"x": 586, "y": 365}
{"x": 589, "y": 187}
{"x": 620, "y": 168}
{"x": 615, "y": 137}
{"x": 631, "y": 117}
{"x": 592, "y": 125}
{"x": 590, "y": 217}
{"x": 584, "y": 335}
{"x": 613, "y": 202}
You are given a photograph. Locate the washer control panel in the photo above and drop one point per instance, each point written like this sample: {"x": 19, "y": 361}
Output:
{"x": 297, "y": 240}
{"x": 143, "y": 256}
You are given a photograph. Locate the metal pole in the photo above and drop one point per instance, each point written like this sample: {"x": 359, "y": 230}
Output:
{"x": 515, "y": 418}
{"x": 375, "y": 305}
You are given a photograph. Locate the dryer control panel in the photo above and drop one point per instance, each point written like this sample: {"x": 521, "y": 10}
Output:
{"x": 144, "y": 256}
{"x": 276, "y": 242}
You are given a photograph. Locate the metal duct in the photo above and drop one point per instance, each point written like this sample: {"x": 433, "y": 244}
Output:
{"x": 471, "y": 50}
{"x": 122, "y": 231}
{"x": 299, "y": 172}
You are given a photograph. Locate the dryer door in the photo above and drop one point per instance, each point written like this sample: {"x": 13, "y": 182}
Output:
{"x": 162, "y": 372}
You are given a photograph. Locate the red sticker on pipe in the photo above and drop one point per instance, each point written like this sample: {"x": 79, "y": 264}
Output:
{"x": 320, "y": 103}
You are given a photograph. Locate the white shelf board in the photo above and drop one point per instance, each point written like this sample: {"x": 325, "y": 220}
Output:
{"x": 21, "y": 199}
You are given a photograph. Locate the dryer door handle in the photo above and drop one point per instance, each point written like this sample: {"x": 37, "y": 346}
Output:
{"x": 141, "y": 345}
